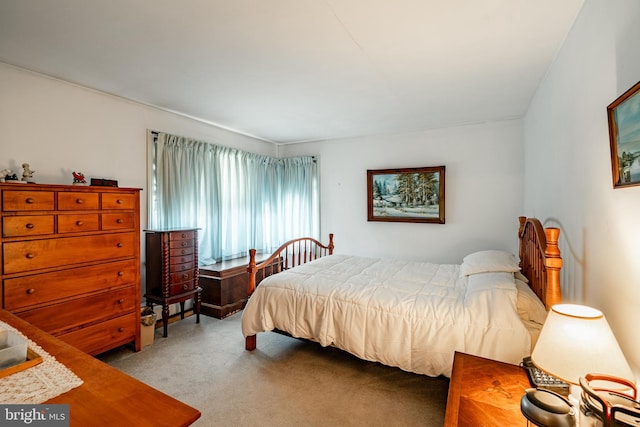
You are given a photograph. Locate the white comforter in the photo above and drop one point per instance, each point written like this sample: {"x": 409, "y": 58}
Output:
{"x": 411, "y": 315}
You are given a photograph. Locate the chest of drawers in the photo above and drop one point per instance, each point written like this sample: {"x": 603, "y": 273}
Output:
{"x": 71, "y": 262}
{"x": 172, "y": 270}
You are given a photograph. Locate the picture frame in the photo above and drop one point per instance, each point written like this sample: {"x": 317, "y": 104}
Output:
{"x": 623, "y": 116}
{"x": 406, "y": 195}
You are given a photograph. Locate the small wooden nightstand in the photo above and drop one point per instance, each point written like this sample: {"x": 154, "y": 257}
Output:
{"x": 485, "y": 392}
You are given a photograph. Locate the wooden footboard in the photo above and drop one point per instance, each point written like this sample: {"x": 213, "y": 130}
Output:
{"x": 540, "y": 259}
{"x": 290, "y": 254}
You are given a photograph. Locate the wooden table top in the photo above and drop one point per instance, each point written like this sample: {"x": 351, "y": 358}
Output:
{"x": 485, "y": 392}
{"x": 108, "y": 397}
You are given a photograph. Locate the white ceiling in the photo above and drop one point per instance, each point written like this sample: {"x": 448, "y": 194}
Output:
{"x": 299, "y": 70}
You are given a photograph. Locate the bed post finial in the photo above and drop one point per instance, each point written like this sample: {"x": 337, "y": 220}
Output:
{"x": 523, "y": 221}
{"x": 553, "y": 262}
{"x": 331, "y": 244}
{"x": 252, "y": 272}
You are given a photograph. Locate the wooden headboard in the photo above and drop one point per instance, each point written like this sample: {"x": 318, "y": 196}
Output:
{"x": 540, "y": 259}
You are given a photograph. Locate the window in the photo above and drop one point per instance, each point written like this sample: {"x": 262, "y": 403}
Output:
{"x": 239, "y": 200}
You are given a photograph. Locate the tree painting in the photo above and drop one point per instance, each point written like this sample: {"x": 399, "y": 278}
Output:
{"x": 408, "y": 195}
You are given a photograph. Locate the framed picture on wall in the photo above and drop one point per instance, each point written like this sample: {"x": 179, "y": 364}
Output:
{"x": 406, "y": 195}
{"x": 624, "y": 138}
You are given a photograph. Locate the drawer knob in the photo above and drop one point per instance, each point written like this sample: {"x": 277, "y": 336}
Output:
{"x": 119, "y": 245}
{"x": 120, "y": 329}
{"x": 120, "y": 273}
{"x": 119, "y": 221}
{"x": 184, "y": 235}
{"x": 79, "y": 201}
{"x": 184, "y": 252}
{"x": 120, "y": 301}
{"x": 79, "y": 223}
{"x": 184, "y": 243}
{"x": 185, "y": 287}
{"x": 30, "y": 291}
{"x": 29, "y": 200}
{"x": 30, "y": 255}
{"x": 185, "y": 275}
{"x": 29, "y": 225}
{"x": 119, "y": 201}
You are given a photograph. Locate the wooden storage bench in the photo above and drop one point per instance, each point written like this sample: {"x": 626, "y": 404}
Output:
{"x": 224, "y": 287}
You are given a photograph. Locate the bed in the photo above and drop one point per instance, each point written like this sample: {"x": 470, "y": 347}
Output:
{"x": 408, "y": 314}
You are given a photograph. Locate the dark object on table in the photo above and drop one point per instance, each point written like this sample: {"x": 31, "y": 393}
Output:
{"x": 101, "y": 182}
{"x": 540, "y": 379}
{"x": 547, "y": 408}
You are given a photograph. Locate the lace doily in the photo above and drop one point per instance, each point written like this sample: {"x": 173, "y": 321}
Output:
{"x": 39, "y": 383}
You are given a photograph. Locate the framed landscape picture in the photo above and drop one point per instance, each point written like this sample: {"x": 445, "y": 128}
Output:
{"x": 624, "y": 138}
{"x": 406, "y": 195}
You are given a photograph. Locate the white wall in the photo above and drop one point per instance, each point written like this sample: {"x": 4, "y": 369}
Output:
{"x": 568, "y": 164}
{"x": 59, "y": 128}
{"x": 483, "y": 184}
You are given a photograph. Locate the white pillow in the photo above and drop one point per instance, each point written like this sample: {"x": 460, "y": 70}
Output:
{"x": 486, "y": 281}
{"x": 489, "y": 261}
{"x": 529, "y": 305}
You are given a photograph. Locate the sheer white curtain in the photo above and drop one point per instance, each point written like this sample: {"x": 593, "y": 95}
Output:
{"x": 239, "y": 200}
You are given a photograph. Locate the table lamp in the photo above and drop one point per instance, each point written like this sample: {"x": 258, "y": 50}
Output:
{"x": 576, "y": 340}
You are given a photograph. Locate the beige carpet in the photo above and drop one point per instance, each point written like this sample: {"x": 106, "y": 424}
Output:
{"x": 285, "y": 382}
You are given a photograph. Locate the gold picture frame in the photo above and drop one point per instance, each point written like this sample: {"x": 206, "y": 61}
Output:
{"x": 623, "y": 116}
{"x": 406, "y": 195}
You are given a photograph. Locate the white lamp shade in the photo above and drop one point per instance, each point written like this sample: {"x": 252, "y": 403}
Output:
{"x": 576, "y": 340}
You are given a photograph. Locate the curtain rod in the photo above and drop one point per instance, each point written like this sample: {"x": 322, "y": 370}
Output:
{"x": 156, "y": 133}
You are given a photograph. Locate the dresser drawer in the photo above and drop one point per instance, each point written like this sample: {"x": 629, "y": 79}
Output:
{"x": 177, "y": 268}
{"x": 103, "y": 336}
{"x": 27, "y": 225}
{"x": 179, "y": 288}
{"x": 27, "y": 200}
{"x": 47, "y": 253}
{"x": 118, "y": 221}
{"x": 182, "y": 276}
{"x": 118, "y": 201}
{"x": 78, "y": 201}
{"x": 182, "y": 235}
{"x": 30, "y": 291}
{"x": 181, "y": 244}
{"x": 75, "y": 223}
{"x": 181, "y": 251}
{"x": 63, "y": 317}
{"x": 181, "y": 259}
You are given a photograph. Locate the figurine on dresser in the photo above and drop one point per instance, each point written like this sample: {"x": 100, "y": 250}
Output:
{"x": 27, "y": 173}
{"x": 4, "y": 173}
{"x": 78, "y": 178}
